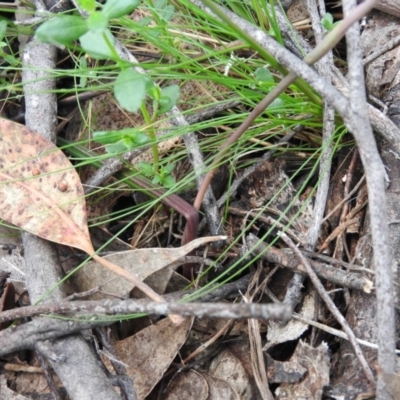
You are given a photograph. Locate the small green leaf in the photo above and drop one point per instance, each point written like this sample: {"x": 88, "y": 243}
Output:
{"x": 146, "y": 168}
{"x": 118, "y": 147}
{"x": 127, "y": 141}
{"x": 156, "y": 180}
{"x": 327, "y": 21}
{"x": 276, "y": 105}
{"x": 97, "y": 22}
{"x": 119, "y": 8}
{"x": 3, "y": 29}
{"x": 145, "y": 21}
{"x": 61, "y": 30}
{"x": 153, "y": 90}
{"x": 167, "y": 12}
{"x": 95, "y": 45}
{"x": 87, "y": 5}
{"x": 169, "y": 97}
{"x": 168, "y": 181}
{"x": 168, "y": 168}
{"x": 264, "y": 75}
{"x": 130, "y": 89}
{"x": 140, "y": 138}
{"x": 137, "y": 137}
{"x": 107, "y": 137}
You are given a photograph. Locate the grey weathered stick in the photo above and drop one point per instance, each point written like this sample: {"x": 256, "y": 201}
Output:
{"x": 129, "y": 306}
{"x": 287, "y": 260}
{"x": 26, "y": 336}
{"x": 385, "y": 317}
{"x": 41, "y": 259}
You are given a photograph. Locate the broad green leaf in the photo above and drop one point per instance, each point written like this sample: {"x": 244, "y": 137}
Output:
{"x": 61, "y": 30}
{"x": 96, "y": 46}
{"x": 169, "y": 97}
{"x": 130, "y": 89}
{"x": 264, "y": 75}
{"x": 97, "y": 22}
{"x": 87, "y": 5}
{"x": 3, "y": 29}
{"x": 119, "y": 8}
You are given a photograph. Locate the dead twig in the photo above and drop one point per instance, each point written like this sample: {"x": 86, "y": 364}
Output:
{"x": 92, "y": 308}
{"x": 286, "y": 259}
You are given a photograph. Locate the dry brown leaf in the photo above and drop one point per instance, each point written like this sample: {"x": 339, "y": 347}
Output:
{"x": 40, "y": 190}
{"x": 150, "y": 352}
{"x": 283, "y": 371}
{"x": 8, "y": 394}
{"x": 392, "y": 382}
{"x": 187, "y": 385}
{"x": 228, "y": 366}
{"x": 278, "y": 333}
{"x": 219, "y": 389}
{"x": 142, "y": 263}
{"x": 317, "y": 363}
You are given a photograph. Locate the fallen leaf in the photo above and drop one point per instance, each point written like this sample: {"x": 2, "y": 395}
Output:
{"x": 8, "y": 394}
{"x": 187, "y": 385}
{"x": 278, "y": 333}
{"x": 141, "y": 262}
{"x": 228, "y": 365}
{"x": 283, "y": 371}
{"x": 219, "y": 389}
{"x": 150, "y": 352}
{"x": 392, "y": 382}
{"x": 40, "y": 190}
{"x": 317, "y": 362}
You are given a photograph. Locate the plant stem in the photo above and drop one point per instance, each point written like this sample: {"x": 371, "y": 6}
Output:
{"x": 152, "y": 136}
{"x": 111, "y": 47}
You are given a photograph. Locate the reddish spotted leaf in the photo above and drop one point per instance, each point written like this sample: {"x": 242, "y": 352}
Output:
{"x": 40, "y": 190}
